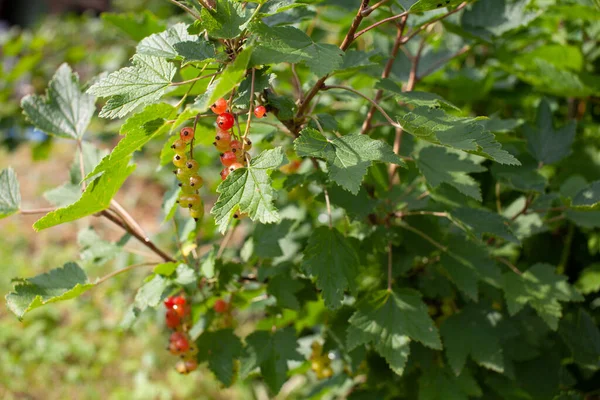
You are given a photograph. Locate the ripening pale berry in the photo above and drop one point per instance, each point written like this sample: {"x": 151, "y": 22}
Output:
{"x": 194, "y": 201}
{"x": 247, "y": 144}
{"x": 240, "y": 155}
{"x": 187, "y": 134}
{"x": 186, "y": 188}
{"x": 182, "y": 174}
{"x": 192, "y": 166}
{"x": 184, "y": 367}
{"x": 183, "y": 200}
{"x": 221, "y": 147}
{"x": 260, "y": 111}
{"x": 221, "y": 306}
{"x": 179, "y": 160}
{"x": 235, "y": 166}
{"x": 172, "y": 319}
{"x": 197, "y": 213}
{"x": 239, "y": 215}
{"x": 179, "y": 146}
{"x": 196, "y": 181}
{"x": 224, "y": 173}
{"x": 235, "y": 145}
{"x": 223, "y": 136}
{"x": 219, "y": 107}
{"x": 228, "y": 158}
{"x": 327, "y": 372}
{"x": 225, "y": 121}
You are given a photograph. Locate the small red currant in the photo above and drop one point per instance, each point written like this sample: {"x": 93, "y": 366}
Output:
{"x": 228, "y": 158}
{"x": 223, "y": 136}
{"x": 225, "y": 121}
{"x": 179, "y": 160}
{"x": 172, "y": 319}
{"x": 179, "y": 146}
{"x": 169, "y": 302}
{"x": 221, "y": 306}
{"x": 184, "y": 367}
{"x": 224, "y": 173}
{"x": 235, "y": 144}
{"x": 187, "y": 134}
{"x": 260, "y": 111}
{"x": 219, "y": 107}
{"x": 235, "y": 166}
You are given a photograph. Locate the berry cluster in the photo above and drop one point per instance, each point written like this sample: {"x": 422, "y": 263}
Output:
{"x": 180, "y": 344}
{"x": 187, "y": 174}
{"x": 320, "y": 363}
{"x": 232, "y": 148}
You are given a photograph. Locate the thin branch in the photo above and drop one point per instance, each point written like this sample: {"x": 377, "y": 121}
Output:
{"x": 250, "y": 110}
{"x": 81, "y": 164}
{"x": 37, "y": 211}
{"x": 377, "y": 106}
{"x": 498, "y": 202}
{"x": 425, "y": 236}
{"x": 425, "y": 26}
{"x": 367, "y": 11}
{"x": 401, "y": 214}
{"x": 120, "y": 271}
{"x": 528, "y": 201}
{"x": 128, "y": 219}
{"x": 509, "y": 265}
{"x": 194, "y": 79}
{"x": 328, "y": 203}
{"x": 187, "y": 9}
{"x": 226, "y": 240}
{"x": 383, "y": 21}
{"x": 297, "y": 83}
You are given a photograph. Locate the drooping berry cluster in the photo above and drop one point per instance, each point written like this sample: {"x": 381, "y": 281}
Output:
{"x": 180, "y": 343}
{"x": 187, "y": 174}
{"x": 232, "y": 148}
{"x": 320, "y": 363}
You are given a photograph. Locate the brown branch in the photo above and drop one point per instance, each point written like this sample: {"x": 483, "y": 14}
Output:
{"x": 509, "y": 264}
{"x": 367, "y": 11}
{"x": 383, "y": 21}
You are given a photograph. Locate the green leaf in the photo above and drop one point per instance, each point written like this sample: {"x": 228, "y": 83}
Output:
{"x": 440, "y": 384}
{"x": 415, "y": 98}
{"x": 272, "y": 7}
{"x": 271, "y": 352}
{"x": 171, "y": 43}
{"x": 440, "y": 166}
{"x": 97, "y": 197}
{"x": 471, "y": 333}
{"x": 143, "y": 83}
{"x": 390, "y": 320}
{"x": 467, "y": 134}
{"x": 96, "y": 250}
{"x": 59, "y": 284}
{"x": 284, "y": 288}
{"x": 478, "y": 222}
{"x": 545, "y": 144}
{"x": 581, "y": 334}
{"x": 289, "y": 44}
{"x": 137, "y": 25}
{"x": 426, "y": 5}
{"x": 542, "y": 289}
{"x": 249, "y": 190}
{"x": 588, "y": 198}
{"x": 231, "y": 77}
{"x": 523, "y": 178}
{"x": 333, "y": 261}
{"x": 266, "y": 238}
{"x": 221, "y": 349}
{"x": 139, "y": 130}
{"x": 488, "y": 18}
{"x": 150, "y": 293}
{"x": 10, "y": 194}
{"x": 589, "y": 280}
{"x": 348, "y": 157}
{"x": 64, "y": 111}
{"x": 227, "y": 22}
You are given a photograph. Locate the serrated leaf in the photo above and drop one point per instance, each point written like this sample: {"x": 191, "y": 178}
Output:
{"x": 439, "y": 166}
{"x": 167, "y": 44}
{"x": 289, "y": 44}
{"x": 588, "y": 198}
{"x": 348, "y": 157}
{"x": 150, "y": 293}
{"x": 59, "y": 284}
{"x": 581, "y": 334}
{"x": 438, "y": 383}
{"x": 471, "y": 333}
{"x": 479, "y": 222}
{"x": 97, "y": 197}
{"x": 271, "y": 352}
{"x": 333, "y": 261}
{"x": 542, "y": 289}
{"x": 143, "y": 83}
{"x": 138, "y": 130}
{"x": 10, "y": 193}
{"x": 226, "y": 22}
{"x": 266, "y": 238}
{"x": 249, "y": 190}
{"x": 545, "y": 144}
{"x": 231, "y": 77}
{"x": 426, "y": 5}
{"x": 415, "y": 98}
{"x": 467, "y": 134}
{"x": 221, "y": 349}
{"x": 390, "y": 320}
{"x": 524, "y": 178}
{"x": 488, "y": 18}
{"x": 64, "y": 111}
{"x": 96, "y": 250}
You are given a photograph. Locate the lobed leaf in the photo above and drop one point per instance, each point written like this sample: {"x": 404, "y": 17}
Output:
{"x": 10, "y": 193}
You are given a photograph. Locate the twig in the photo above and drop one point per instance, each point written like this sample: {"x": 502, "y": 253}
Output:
{"x": 120, "y": 271}
{"x": 250, "y": 111}
{"x": 383, "y": 21}
{"x": 194, "y": 79}
{"x": 297, "y": 83}
{"x": 37, "y": 211}
{"x": 377, "y": 106}
{"x": 498, "y": 202}
{"x": 226, "y": 240}
{"x": 425, "y": 236}
{"x": 367, "y": 11}
{"x": 328, "y": 204}
{"x": 425, "y": 26}
{"x": 128, "y": 219}
{"x": 401, "y": 214}
{"x": 528, "y": 201}
{"x": 509, "y": 264}
{"x": 81, "y": 164}
{"x": 187, "y": 9}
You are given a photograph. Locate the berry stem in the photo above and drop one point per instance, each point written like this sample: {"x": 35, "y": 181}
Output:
{"x": 250, "y": 110}
{"x": 81, "y": 164}
{"x": 226, "y": 240}
{"x": 194, "y": 138}
{"x": 194, "y": 79}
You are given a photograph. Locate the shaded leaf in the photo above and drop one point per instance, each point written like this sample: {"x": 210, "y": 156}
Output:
{"x": 546, "y": 144}
{"x": 10, "y": 194}
{"x": 222, "y": 349}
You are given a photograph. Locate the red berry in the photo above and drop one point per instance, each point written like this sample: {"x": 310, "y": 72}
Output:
{"x": 219, "y": 107}
{"x": 184, "y": 367}
{"x": 260, "y": 111}
{"x": 235, "y": 166}
{"x": 228, "y": 158}
{"x": 225, "y": 121}
{"x": 169, "y": 302}
{"x": 179, "y": 343}
{"x": 187, "y": 134}
{"x": 224, "y": 173}
{"x": 172, "y": 319}
{"x": 180, "y": 301}
{"x": 221, "y": 306}
{"x": 235, "y": 144}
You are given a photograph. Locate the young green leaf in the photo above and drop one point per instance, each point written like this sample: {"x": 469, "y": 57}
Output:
{"x": 438, "y": 383}
{"x": 348, "y": 157}
{"x": 489, "y": 18}
{"x": 390, "y": 320}
{"x": 284, "y": 288}
{"x": 168, "y": 44}
{"x": 143, "y": 83}
{"x": 546, "y": 144}
{"x": 59, "y": 284}
{"x": 440, "y": 166}
{"x": 231, "y": 77}
{"x": 471, "y": 333}
{"x": 271, "y": 352}
{"x": 150, "y": 293}
{"x": 333, "y": 261}
{"x": 542, "y": 289}
{"x": 10, "y": 193}
{"x": 222, "y": 349}
{"x": 249, "y": 190}
{"x": 589, "y": 280}
{"x": 226, "y": 22}
{"x": 138, "y": 130}
{"x": 97, "y": 197}
{"x": 64, "y": 111}
{"x": 467, "y": 134}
